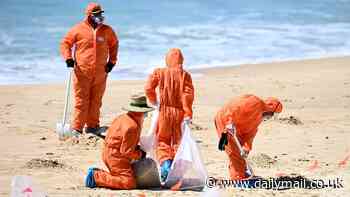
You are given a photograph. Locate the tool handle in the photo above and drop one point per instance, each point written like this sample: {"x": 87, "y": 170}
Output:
{"x": 237, "y": 142}
{"x": 66, "y": 102}
{"x": 241, "y": 149}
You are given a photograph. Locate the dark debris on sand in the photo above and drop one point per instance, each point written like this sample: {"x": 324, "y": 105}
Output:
{"x": 43, "y": 163}
{"x": 91, "y": 140}
{"x": 197, "y": 127}
{"x": 292, "y": 120}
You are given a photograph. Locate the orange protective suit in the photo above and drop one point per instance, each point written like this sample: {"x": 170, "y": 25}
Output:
{"x": 176, "y": 94}
{"x": 93, "y": 49}
{"x": 120, "y": 149}
{"x": 245, "y": 113}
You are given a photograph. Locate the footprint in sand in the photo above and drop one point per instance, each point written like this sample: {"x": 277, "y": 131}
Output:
{"x": 263, "y": 160}
{"x": 280, "y": 84}
{"x": 199, "y": 141}
{"x": 5, "y": 122}
{"x": 6, "y": 107}
{"x": 197, "y": 127}
{"x": 303, "y": 160}
{"x": 49, "y": 102}
{"x": 9, "y": 105}
{"x": 287, "y": 100}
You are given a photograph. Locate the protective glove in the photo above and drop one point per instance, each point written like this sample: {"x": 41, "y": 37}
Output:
{"x": 230, "y": 128}
{"x": 164, "y": 169}
{"x": 223, "y": 141}
{"x": 143, "y": 153}
{"x": 70, "y": 63}
{"x": 187, "y": 120}
{"x": 109, "y": 67}
{"x": 154, "y": 105}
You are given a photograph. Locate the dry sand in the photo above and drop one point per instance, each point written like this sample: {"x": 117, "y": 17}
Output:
{"x": 315, "y": 92}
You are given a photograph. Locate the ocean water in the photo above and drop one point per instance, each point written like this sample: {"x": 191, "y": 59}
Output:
{"x": 210, "y": 32}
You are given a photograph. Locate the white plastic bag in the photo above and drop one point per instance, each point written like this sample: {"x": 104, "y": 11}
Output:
{"x": 148, "y": 142}
{"x": 187, "y": 168}
{"x": 22, "y": 186}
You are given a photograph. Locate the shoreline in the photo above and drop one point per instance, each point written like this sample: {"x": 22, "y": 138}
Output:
{"x": 274, "y": 63}
{"x": 199, "y": 71}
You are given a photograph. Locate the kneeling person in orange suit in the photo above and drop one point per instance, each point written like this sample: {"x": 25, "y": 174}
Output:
{"x": 176, "y": 94}
{"x": 241, "y": 117}
{"x": 121, "y": 148}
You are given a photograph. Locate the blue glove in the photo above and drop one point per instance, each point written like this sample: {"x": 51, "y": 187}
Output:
{"x": 164, "y": 169}
{"x": 89, "y": 180}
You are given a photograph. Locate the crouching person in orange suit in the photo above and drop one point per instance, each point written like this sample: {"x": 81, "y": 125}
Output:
{"x": 121, "y": 148}
{"x": 241, "y": 117}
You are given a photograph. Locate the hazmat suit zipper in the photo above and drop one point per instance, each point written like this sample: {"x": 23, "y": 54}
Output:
{"x": 95, "y": 46}
{"x": 94, "y": 32}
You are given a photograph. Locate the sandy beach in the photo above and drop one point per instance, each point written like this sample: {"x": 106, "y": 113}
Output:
{"x": 310, "y": 137}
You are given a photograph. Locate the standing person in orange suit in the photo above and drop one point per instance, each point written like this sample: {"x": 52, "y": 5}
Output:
{"x": 121, "y": 148}
{"x": 176, "y": 94}
{"x": 95, "y": 54}
{"x": 241, "y": 117}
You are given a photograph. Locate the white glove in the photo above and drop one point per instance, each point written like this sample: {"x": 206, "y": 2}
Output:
{"x": 230, "y": 128}
{"x": 187, "y": 120}
{"x": 244, "y": 153}
{"x": 156, "y": 105}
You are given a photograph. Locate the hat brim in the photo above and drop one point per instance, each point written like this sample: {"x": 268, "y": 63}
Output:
{"x": 97, "y": 12}
{"x": 137, "y": 109}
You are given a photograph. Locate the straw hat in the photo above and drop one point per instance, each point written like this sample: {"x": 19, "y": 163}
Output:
{"x": 138, "y": 103}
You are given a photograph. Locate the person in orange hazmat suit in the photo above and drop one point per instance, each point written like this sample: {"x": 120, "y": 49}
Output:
{"x": 121, "y": 148}
{"x": 91, "y": 48}
{"x": 241, "y": 116}
{"x": 176, "y": 94}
